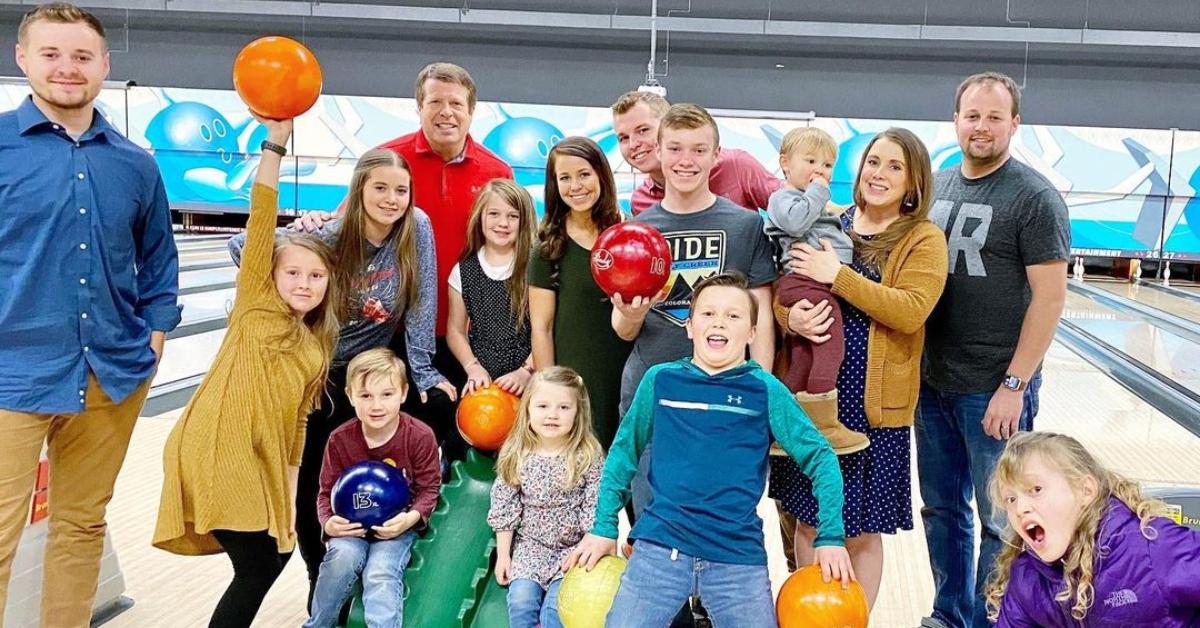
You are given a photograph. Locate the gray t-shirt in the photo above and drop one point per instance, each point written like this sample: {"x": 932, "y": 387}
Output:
{"x": 723, "y": 237}
{"x": 376, "y": 306}
{"x": 995, "y": 226}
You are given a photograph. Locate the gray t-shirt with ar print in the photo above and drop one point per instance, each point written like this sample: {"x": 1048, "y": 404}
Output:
{"x": 995, "y": 226}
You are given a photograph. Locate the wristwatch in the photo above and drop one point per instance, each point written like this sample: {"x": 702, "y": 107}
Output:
{"x": 1013, "y": 383}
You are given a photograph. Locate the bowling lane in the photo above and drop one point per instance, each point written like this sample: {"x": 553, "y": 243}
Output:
{"x": 203, "y": 255}
{"x": 188, "y": 356}
{"x": 198, "y": 279}
{"x": 206, "y": 305}
{"x": 1146, "y": 295}
{"x": 1174, "y": 357}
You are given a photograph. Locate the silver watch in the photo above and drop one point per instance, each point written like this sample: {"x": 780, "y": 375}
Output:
{"x": 1013, "y": 383}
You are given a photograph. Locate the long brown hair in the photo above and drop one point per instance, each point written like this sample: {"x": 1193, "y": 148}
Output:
{"x": 515, "y": 196}
{"x": 1070, "y": 458}
{"x": 582, "y": 450}
{"x": 350, "y": 248}
{"x": 323, "y": 321}
{"x": 552, "y": 234}
{"x": 914, "y": 208}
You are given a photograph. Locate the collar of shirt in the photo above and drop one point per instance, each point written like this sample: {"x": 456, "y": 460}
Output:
{"x": 468, "y": 151}
{"x": 30, "y": 118}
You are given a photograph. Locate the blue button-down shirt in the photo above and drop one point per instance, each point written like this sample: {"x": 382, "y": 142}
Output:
{"x": 88, "y": 265}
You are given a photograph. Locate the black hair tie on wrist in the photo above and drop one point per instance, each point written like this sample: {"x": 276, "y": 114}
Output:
{"x": 274, "y": 148}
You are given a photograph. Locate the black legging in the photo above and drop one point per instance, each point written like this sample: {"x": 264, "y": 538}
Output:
{"x": 335, "y": 410}
{"x": 257, "y": 563}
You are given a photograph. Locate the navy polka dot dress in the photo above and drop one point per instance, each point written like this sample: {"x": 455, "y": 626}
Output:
{"x": 878, "y": 484}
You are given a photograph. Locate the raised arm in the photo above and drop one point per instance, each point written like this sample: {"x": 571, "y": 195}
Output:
{"x": 264, "y": 206}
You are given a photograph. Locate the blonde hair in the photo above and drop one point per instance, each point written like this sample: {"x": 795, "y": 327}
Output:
{"x": 629, "y": 100}
{"x": 1069, "y": 457}
{"x": 373, "y": 363}
{"x": 59, "y": 13}
{"x": 688, "y": 116}
{"x": 323, "y": 321}
{"x": 811, "y": 139}
{"x": 582, "y": 451}
{"x": 446, "y": 73}
{"x": 914, "y": 208}
{"x": 518, "y": 198}
{"x": 351, "y": 249}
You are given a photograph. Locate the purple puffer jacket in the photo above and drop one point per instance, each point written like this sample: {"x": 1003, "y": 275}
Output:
{"x": 1138, "y": 582}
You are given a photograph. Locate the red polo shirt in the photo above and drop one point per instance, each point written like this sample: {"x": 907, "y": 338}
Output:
{"x": 446, "y": 190}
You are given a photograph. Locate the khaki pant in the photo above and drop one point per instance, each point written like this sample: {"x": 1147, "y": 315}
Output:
{"x": 85, "y": 451}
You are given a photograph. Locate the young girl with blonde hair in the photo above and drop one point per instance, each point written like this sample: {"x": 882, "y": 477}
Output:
{"x": 1085, "y": 547}
{"x": 232, "y": 459}
{"x": 544, "y": 498}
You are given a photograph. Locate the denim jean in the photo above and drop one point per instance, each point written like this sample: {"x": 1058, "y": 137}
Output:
{"x": 955, "y": 459}
{"x": 530, "y": 606}
{"x": 381, "y": 564}
{"x": 658, "y": 581}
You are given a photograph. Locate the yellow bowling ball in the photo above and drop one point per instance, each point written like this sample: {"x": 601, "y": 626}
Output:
{"x": 584, "y": 597}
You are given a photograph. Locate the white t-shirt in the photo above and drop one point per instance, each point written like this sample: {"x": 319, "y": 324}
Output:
{"x": 495, "y": 273}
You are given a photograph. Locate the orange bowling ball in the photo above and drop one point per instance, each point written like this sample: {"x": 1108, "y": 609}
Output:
{"x": 806, "y": 601}
{"x": 277, "y": 77}
{"x": 486, "y": 416}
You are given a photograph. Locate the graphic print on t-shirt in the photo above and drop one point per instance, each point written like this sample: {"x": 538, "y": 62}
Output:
{"x": 968, "y": 235}
{"x": 374, "y": 288}
{"x": 695, "y": 255}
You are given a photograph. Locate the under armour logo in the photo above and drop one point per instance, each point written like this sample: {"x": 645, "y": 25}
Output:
{"x": 363, "y": 500}
{"x": 735, "y": 399}
{"x": 1124, "y": 597}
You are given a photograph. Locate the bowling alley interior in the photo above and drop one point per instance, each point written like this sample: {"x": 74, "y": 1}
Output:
{"x": 490, "y": 232}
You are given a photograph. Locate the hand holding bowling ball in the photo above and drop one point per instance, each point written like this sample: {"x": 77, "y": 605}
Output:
{"x": 631, "y": 259}
{"x": 277, "y": 77}
{"x": 370, "y": 493}
{"x": 486, "y": 416}
{"x": 278, "y": 131}
{"x": 807, "y": 601}
{"x": 584, "y": 597}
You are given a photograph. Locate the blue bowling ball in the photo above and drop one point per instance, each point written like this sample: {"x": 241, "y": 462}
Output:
{"x": 369, "y": 493}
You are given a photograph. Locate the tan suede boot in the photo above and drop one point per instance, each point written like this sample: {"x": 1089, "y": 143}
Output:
{"x": 823, "y": 410}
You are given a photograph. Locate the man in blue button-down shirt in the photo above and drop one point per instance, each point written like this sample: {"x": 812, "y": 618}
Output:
{"x": 90, "y": 276}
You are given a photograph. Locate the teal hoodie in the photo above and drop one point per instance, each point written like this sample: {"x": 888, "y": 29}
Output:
{"x": 708, "y": 469}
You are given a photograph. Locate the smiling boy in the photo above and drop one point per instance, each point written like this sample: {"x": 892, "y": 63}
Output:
{"x": 700, "y": 534}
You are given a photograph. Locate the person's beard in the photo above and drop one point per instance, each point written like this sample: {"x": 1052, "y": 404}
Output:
{"x": 47, "y": 95}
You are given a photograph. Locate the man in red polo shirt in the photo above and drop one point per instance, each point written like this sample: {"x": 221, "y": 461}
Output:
{"x": 448, "y": 167}
{"x": 737, "y": 176}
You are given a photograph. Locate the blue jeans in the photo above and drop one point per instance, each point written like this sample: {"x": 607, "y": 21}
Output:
{"x": 955, "y": 459}
{"x": 381, "y": 564}
{"x": 530, "y": 606}
{"x": 659, "y": 580}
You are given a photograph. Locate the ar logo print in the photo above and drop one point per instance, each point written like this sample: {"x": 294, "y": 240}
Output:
{"x": 967, "y": 236}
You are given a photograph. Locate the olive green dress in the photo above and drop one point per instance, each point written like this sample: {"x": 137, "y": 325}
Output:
{"x": 583, "y": 335}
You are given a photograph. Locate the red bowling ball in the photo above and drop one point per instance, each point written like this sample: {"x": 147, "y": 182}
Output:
{"x": 631, "y": 258}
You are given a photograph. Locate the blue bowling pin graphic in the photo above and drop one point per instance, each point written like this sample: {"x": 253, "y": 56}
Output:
{"x": 200, "y": 155}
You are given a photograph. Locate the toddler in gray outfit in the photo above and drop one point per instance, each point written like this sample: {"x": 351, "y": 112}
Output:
{"x": 799, "y": 213}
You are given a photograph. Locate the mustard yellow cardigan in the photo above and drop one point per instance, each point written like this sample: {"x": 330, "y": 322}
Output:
{"x": 226, "y": 461}
{"x": 911, "y": 283}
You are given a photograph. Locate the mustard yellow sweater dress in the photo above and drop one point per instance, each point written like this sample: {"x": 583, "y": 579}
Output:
{"x": 226, "y": 462}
